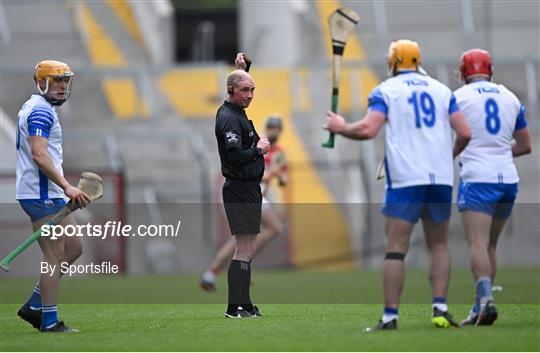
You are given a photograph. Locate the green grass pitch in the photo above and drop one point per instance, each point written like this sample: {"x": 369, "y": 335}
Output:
{"x": 303, "y": 311}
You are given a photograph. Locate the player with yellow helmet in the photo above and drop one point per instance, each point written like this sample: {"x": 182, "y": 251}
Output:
{"x": 419, "y": 113}
{"x": 53, "y": 80}
{"x": 403, "y": 55}
{"x": 42, "y": 190}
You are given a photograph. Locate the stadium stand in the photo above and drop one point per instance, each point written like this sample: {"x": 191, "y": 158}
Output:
{"x": 161, "y": 116}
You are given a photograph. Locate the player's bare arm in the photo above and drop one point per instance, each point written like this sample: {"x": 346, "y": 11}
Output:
{"x": 278, "y": 172}
{"x": 463, "y": 133}
{"x": 268, "y": 176}
{"x": 364, "y": 129}
{"x": 522, "y": 142}
{"x": 282, "y": 175}
{"x": 40, "y": 155}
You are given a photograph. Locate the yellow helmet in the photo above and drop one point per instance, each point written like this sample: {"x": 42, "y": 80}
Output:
{"x": 54, "y": 71}
{"x": 403, "y": 55}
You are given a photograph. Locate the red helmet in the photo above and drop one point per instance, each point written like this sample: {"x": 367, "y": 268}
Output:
{"x": 475, "y": 63}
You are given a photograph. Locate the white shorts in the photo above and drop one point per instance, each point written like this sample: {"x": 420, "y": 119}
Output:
{"x": 266, "y": 204}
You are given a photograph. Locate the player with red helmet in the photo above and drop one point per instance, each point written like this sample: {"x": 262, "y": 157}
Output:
{"x": 419, "y": 113}
{"x": 488, "y": 179}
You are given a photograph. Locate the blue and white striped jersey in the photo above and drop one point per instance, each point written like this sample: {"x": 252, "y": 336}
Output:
{"x": 493, "y": 113}
{"x": 418, "y": 149}
{"x": 37, "y": 118}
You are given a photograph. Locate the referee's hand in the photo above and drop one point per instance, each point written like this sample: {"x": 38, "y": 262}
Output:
{"x": 242, "y": 62}
{"x": 263, "y": 145}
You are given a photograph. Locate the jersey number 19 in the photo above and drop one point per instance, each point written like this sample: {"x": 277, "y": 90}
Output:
{"x": 422, "y": 101}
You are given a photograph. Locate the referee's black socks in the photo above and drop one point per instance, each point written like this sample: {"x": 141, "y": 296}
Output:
{"x": 246, "y": 299}
{"x": 239, "y": 278}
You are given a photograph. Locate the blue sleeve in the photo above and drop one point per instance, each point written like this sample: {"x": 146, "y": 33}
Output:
{"x": 40, "y": 122}
{"x": 521, "y": 122}
{"x": 453, "y": 105}
{"x": 376, "y": 101}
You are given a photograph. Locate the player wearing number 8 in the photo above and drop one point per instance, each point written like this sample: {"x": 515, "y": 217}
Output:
{"x": 419, "y": 113}
{"x": 488, "y": 179}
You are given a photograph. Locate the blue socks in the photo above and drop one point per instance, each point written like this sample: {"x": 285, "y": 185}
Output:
{"x": 440, "y": 303}
{"x": 389, "y": 314}
{"x": 49, "y": 316}
{"x": 483, "y": 292}
{"x": 49, "y": 313}
{"x": 35, "y": 299}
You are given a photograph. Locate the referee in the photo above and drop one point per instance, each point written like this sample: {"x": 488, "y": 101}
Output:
{"x": 242, "y": 164}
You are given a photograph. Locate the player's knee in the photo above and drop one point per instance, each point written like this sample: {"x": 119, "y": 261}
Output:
{"x": 75, "y": 251}
{"x": 55, "y": 254}
{"x": 438, "y": 248}
{"x": 397, "y": 246}
{"x": 478, "y": 247}
{"x": 277, "y": 230}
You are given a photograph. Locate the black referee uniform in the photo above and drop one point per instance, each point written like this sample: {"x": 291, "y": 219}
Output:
{"x": 242, "y": 165}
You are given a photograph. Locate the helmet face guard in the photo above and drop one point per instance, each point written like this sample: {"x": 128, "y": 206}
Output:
{"x": 475, "y": 63}
{"x": 57, "y": 78}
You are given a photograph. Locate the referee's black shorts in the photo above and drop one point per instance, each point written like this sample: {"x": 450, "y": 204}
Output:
{"x": 242, "y": 201}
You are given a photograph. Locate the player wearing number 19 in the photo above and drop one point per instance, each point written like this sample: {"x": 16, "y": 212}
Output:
{"x": 488, "y": 179}
{"x": 419, "y": 113}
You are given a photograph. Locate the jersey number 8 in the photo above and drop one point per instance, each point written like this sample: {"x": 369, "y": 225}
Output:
{"x": 493, "y": 122}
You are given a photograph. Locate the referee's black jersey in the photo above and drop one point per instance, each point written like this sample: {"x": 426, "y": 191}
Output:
{"x": 237, "y": 144}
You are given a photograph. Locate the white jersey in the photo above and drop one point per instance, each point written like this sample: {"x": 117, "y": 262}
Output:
{"x": 493, "y": 114}
{"x": 418, "y": 148}
{"x": 37, "y": 118}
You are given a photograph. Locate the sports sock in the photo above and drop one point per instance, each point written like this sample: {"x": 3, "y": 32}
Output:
{"x": 483, "y": 290}
{"x": 209, "y": 276}
{"x": 234, "y": 280}
{"x": 246, "y": 279}
{"x": 49, "y": 316}
{"x": 440, "y": 303}
{"x": 35, "y": 299}
{"x": 389, "y": 314}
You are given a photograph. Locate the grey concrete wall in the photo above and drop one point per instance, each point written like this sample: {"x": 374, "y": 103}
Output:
{"x": 270, "y": 32}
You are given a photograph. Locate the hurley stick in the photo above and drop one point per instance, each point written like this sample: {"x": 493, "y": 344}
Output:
{"x": 90, "y": 183}
{"x": 342, "y": 22}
